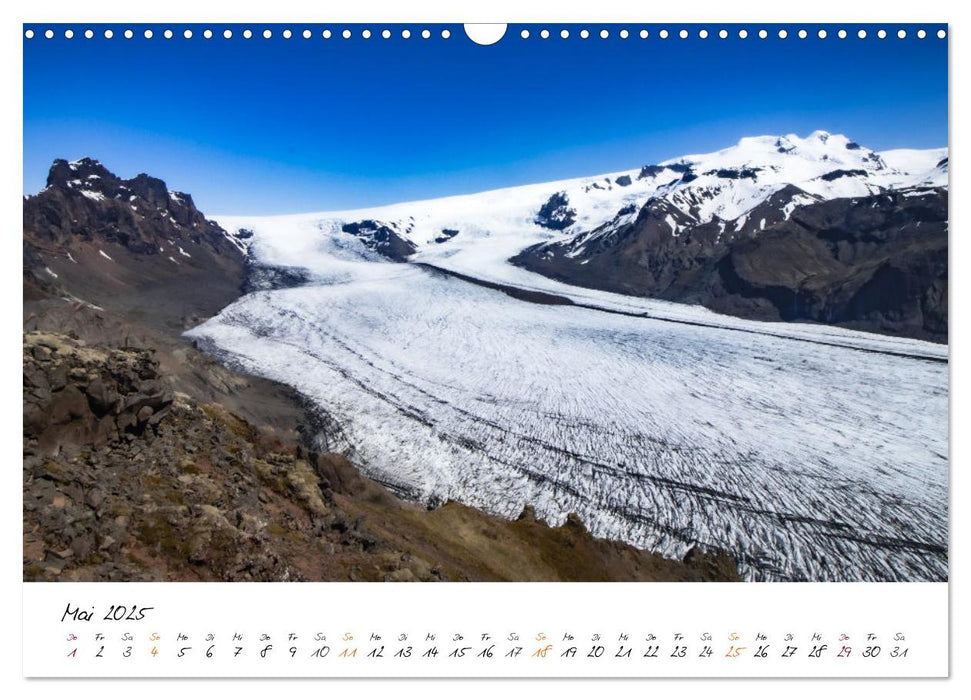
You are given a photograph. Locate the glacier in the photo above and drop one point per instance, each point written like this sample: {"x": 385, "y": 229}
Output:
{"x": 807, "y": 452}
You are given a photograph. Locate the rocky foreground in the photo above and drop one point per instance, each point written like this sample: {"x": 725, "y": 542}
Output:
{"x": 126, "y": 480}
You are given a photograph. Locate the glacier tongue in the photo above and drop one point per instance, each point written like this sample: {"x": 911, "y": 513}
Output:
{"x": 805, "y": 461}
{"x": 809, "y": 452}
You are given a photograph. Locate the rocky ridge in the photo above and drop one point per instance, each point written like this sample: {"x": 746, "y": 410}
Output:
{"x": 876, "y": 263}
{"x": 131, "y": 246}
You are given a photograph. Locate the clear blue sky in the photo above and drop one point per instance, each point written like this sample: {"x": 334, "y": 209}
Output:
{"x": 281, "y": 126}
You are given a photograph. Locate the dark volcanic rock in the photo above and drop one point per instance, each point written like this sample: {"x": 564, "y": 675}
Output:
{"x": 735, "y": 174}
{"x": 62, "y": 173}
{"x": 650, "y": 171}
{"x": 837, "y": 174}
{"x": 654, "y": 170}
{"x": 75, "y": 395}
{"x": 381, "y": 238}
{"x": 85, "y": 200}
{"x": 447, "y": 235}
{"x": 876, "y": 263}
{"x": 556, "y": 213}
{"x": 127, "y": 245}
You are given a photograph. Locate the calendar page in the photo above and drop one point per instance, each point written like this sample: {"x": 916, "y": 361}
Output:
{"x": 539, "y": 350}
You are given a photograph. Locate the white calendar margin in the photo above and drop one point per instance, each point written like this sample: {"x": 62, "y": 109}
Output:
{"x": 917, "y": 611}
{"x": 498, "y": 10}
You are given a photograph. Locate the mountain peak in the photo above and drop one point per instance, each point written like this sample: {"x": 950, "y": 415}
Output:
{"x": 92, "y": 179}
{"x": 790, "y": 157}
{"x": 793, "y": 142}
{"x": 86, "y": 199}
{"x": 86, "y": 162}
{"x": 63, "y": 173}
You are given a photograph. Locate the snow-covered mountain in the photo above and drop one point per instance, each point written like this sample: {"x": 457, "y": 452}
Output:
{"x": 724, "y": 185}
{"x": 712, "y": 201}
{"x": 808, "y": 451}
{"x": 789, "y": 172}
{"x": 863, "y": 245}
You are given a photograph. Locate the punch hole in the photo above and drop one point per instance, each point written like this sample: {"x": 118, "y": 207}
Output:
{"x": 487, "y": 34}
{"x": 29, "y": 34}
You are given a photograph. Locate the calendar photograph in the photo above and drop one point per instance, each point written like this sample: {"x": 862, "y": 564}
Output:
{"x": 561, "y": 303}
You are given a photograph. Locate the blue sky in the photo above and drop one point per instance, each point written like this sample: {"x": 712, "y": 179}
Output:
{"x": 281, "y": 126}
